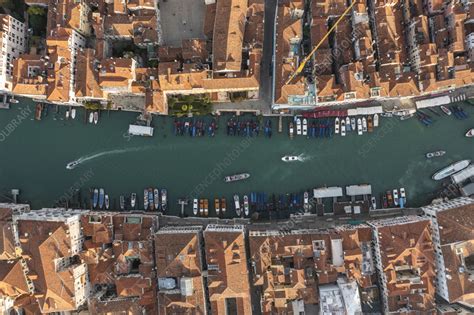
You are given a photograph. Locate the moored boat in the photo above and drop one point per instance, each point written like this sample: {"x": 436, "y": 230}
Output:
{"x": 343, "y": 127}
{"x": 373, "y": 202}
{"x": 122, "y": 202}
{"x": 246, "y": 206}
{"x": 101, "y": 198}
{"x": 305, "y": 127}
{"x": 386, "y": 114}
{"x": 376, "y": 120}
{"x": 291, "y": 130}
{"x": 133, "y": 200}
{"x": 201, "y": 207}
{"x": 237, "y": 205}
{"x": 73, "y": 113}
{"x": 164, "y": 199}
{"x": 470, "y": 133}
{"x": 395, "y": 197}
{"x": 403, "y": 195}
{"x": 445, "y": 110}
{"x": 348, "y": 124}
{"x": 95, "y": 198}
{"x": 306, "y": 201}
{"x": 91, "y": 118}
{"x": 145, "y": 199}
{"x": 67, "y": 114}
{"x": 195, "y": 206}
{"x": 370, "y": 126}
{"x": 236, "y": 177}
{"x": 38, "y": 111}
{"x": 451, "y": 169}
{"x": 430, "y": 155}
{"x": 336, "y": 125}
{"x": 353, "y": 124}
{"x": 223, "y": 205}
{"x": 217, "y": 206}
{"x": 156, "y": 198}
{"x": 359, "y": 127}
{"x": 206, "y": 207}
{"x": 364, "y": 124}
{"x": 298, "y": 126}
{"x": 407, "y": 116}
{"x": 389, "y": 198}
{"x": 96, "y": 117}
{"x": 107, "y": 202}
{"x": 150, "y": 199}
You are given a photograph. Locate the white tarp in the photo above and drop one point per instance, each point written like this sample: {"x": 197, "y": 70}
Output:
{"x": 357, "y": 190}
{"x": 461, "y": 176}
{"x": 137, "y": 130}
{"x": 327, "y": 192}
{"x": 432, "y": 102}
{"x": 360, "y": 111}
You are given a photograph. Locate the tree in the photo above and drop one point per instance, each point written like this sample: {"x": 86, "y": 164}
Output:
{"x": 36, "y": 10}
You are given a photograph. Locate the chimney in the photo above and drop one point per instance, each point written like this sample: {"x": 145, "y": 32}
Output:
{"x": 169, "y": 74}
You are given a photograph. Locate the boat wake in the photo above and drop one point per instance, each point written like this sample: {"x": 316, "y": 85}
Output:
{"x": 83, "y": 159}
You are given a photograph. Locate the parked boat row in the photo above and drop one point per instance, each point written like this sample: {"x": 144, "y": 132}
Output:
{"x": 453, "y": 110}
{"x": 247, "y": 127}
{"x": 71, "y": 113}
{"x": 195, "y": 128}
{"x": 94, "y": 117}
{"x": 155, "y": 199}
{"x": 317, "y": 128}
{"x": 99, "y": 199}
{"x": 394, "y": 199}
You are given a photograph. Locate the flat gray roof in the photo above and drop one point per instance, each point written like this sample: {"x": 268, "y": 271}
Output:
{"x": 357, "y": 190}
{"x": 327, "y": 192}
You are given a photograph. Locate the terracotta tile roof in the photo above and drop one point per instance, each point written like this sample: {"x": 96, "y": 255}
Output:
{"x": 195, "y": 49}
{"x": 87, "y": 75}
{"x": 209, "y": 20}
{"x": 69, "y": 14}
{"x": 328, "y": 7}
{"x": 228, "y": 35}
{"x": 228, "y": 281}
{"x": 12, "y": 279}
{"x": 178, "y": 257}
{"x": 28, "y": 75}
{"x": 7, "y": 241}
{"x": 407, "y": 261}
{"x": 116, "y": 73}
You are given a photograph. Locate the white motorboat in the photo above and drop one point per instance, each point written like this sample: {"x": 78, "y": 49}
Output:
{"x": 348, "y": 124}
{"x": 470, "y": 133}
{"x": 430, "y": 155}
{"x": 364, "y": 124}
{"x": 298, "y": 127}
{"x": 91, "y": 118}
{"x": 133, "y": 200}
{"x": 395, "y": 197}
{"x": 445, "y": 110}
{"x": 306, "y": 201}
{"x": 451, "y": 169}
{"x": 67, "y": 114}
{"x": 195, "y": 206}
{"x": 72, "y": 165}
{"x": 305, "y": 127}
{"x": 336, "y": 125}
{"x": 291, "y": 158}
{"x": 107, "y": 202}
{"x": 359, "y": 126}
{"x": 291, "y": 130}
{"x": 403, "y": 195}
{"x": 236, "y": 177}
{"x": 353, "y": 124}
{"x": 96, "y": 117}
{"x": 343, "y": 127}
{"x": 237, "y": 205}
{"x": 73, "y": 113}
{"x": 13, "y": 100}
{"x": 376, "y": 120}
{"x": 373, "y": 201}
{"x": 246, "y": 206}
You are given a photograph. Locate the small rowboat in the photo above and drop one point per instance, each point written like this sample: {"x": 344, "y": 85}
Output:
{"x": 446, "y": 110}
{"x": 470, "y": 133}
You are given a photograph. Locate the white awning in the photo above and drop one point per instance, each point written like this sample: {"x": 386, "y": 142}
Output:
{"x": 327, "y": 192}
{"x": 432, "y": 102}
{"x": 357, "y": 190}
{"x": 360, "y": 111}
{"x": 137, "y": 130}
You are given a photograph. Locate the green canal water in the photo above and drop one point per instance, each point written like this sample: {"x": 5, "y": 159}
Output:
{"x": 33, "y": 156}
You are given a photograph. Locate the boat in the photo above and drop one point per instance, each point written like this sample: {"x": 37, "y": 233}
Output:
{"x": 145, "y": 199}
{"x": 451, "y": 169}
{"x": 101, "y": 198}
{"x": 343, "y": 127}
{"x": 246, "y": 205}
{"x": 164, "y": 199}
{"x": 364, "y": 124}
{"x": 353, "y": 124}
{"x": 305, "y": 127}
{"x": 291, "y": 130}
{"x": 206, "y": 207}
{"x": 290, "y": 158}
{"x": 95, "y": 198}
{"x": 359, "y": 126}
{"x": 91, "y": 118}
{"x": 195, "y": 206}
{"x": 72, "y": 165}
{"x": 236, "y": 177}
{"x": 156, "y": 198}
{"x": 96, "y": 117}
{"x": 470, "y": 133}
{"x": 370, "y": 126}
{"x": 430, "y": 155}
{"x": 403, "y": 195}
{"x": 298, "y": 126}
{"x": 201, "y": 207}
{"x": 376, "y": 120}
{"x": 348, "y": 124}
{"x": 389, "y": 198}
{"x": 306, "y": 201}
{"x": 73, "y": 113}
{"x": 407, "y": 116}
{"x": 237, "y": 205}
{"x": 373, "y": 201}
{"x": 445, "y": 110}
{"x": 336, "y": 125}
{"x": 122, "y": 202}
{"x": 67, "y": 114}
{"x": 395, "y": 197}
{"x": 217, "y": 206}
{"x": 150, "y": 199}
{"x": 133, "y": 200}
{"x": 107, "y": 202}
{"x": 386, "y": 114}
{"x": 223, "y": 205}
{"x": 384, "y": 201}
{"x": 38, "y": 110}
{"x": 13, "y": 100}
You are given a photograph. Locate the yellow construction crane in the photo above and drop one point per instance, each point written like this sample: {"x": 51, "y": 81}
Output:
{"x": 305, "y": 60}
